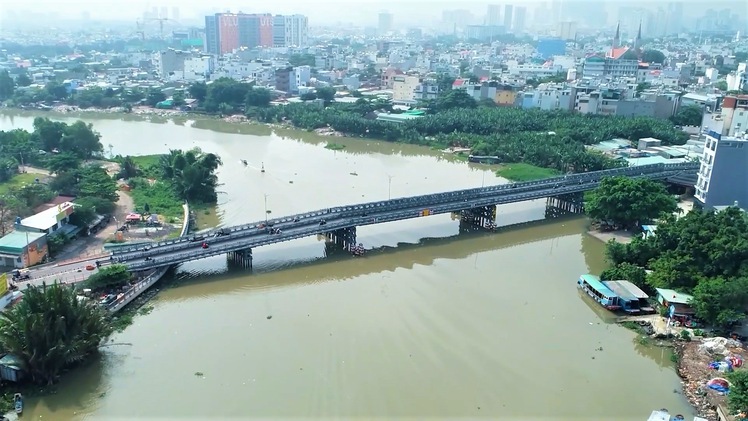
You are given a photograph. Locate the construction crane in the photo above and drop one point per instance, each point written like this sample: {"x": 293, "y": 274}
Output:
{"x": 141, "y": 23}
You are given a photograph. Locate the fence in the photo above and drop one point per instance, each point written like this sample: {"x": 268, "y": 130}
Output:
{"x": 151, "y": 279}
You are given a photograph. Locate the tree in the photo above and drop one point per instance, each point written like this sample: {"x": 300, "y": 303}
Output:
{"x": 297, "y": 60}
{"x": 258, "y": 97}
{"x": 95, "y": 182}
{"x": 56, "y": 90}
{"x": 720, "y": 301}
{"x": 690, "y": 115}
{"x": 82, "y": 140}
{"x": 49, "y": 133}
{"x": 10, "y": 206}
{"x": 109, "y": 276}
{"x": 178, "y": 98}
{"x": 154, "y": 97}
{"x": 624, "y": 202}
{"x": 51, "y": 329}
{"x": 737, "y": 399}
{"x": 702, "y": 253}
{"x": 128, "y": 169}
{"x": 192, "y": 174}
{"x": 653, "y": 56}
{"x": 62, "y": 162}
{"x": 628, "y": 272}
{"x": 226, "y": 91}
{"x": 6, "y": 85}
{"x": 455, "y": 98}
{"x": 198, "y": 91}
{"x": 23, "y": 79}
{"x": 721, "y": 85}
{"x": 326, "y": 94}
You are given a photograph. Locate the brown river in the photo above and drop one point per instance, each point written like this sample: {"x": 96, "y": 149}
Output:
{"x": 432, "y": 322}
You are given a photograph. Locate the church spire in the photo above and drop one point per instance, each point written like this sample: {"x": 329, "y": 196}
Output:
{"x": 617, "y": 38}
{"x": 638, "y": 40}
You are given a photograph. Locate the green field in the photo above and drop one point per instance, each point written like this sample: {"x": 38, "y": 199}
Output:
{"x": 18, "y": 181}
{"x": 145, "y": 161}
{"x": 525, "y": 172}
{"x": 160, "y": 198}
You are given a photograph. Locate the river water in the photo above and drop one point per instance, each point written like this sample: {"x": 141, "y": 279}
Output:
{"x": 431, "y": 323}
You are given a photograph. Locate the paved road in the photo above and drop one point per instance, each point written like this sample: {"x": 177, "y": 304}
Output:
{"x": 69, "y": 274}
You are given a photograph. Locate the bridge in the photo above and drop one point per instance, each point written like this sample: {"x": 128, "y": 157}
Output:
{"x": 477, "y": 205}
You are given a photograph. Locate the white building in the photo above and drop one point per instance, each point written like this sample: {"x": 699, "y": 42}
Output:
{"x": 409, "y": 89}
{"x": 300, "y": 77}
{"x": 199, "y": 68}
{"x": 290, "y": 31}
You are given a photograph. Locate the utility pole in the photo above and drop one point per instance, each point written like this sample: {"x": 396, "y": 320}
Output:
{"x": 389, "y": 187}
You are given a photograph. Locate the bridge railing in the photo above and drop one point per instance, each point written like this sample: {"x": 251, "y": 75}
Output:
{"x": 250, "y": 230}
{"x": 501, "y": 197}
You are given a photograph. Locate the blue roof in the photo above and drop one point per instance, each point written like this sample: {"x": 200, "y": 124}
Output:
{"x": 595, "y": 283}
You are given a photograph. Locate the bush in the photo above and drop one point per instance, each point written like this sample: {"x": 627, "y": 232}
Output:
{"x": 109, "y": 276}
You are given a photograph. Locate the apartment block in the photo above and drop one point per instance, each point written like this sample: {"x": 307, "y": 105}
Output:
{"x": 723, "y": 176}
{"x": 409, "y": 89}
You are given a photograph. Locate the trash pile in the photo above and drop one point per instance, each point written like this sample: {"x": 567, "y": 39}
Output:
{"x": 703, "y": 366}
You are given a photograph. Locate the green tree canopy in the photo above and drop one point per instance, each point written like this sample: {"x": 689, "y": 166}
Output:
{"x": 258, "y": 97}
{"x": 737, "y": 399}
{"x": 108, "y": 276}
{"x": 198, "y": 91}
{"x": 226, "y": 91}
{"x": 690, "y": 115}
{"x": 192, "y": 174}
{"x": 653, "y": 56}
{"x": 624, "y": 202}
{"x": 50, "y": 330}
{"x": 7, "y": 86}
{"x": 703, "y": 253}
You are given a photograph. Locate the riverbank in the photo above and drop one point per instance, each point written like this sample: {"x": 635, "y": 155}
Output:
{"x": 694, "y": 359}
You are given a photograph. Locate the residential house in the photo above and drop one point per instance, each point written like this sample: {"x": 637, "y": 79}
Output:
{"x": 21, "y": 249}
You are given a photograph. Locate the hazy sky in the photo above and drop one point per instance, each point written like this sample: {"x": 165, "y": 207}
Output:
{"x": 363, "y": 12}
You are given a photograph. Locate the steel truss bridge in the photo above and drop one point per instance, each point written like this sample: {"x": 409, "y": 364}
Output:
{"x": 339, "y": 223}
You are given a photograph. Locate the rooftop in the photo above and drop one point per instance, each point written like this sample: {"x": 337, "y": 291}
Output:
{"x": 15, "y": 241}
{"x": 46, "y": 219}
{"x": 674, "y": 297}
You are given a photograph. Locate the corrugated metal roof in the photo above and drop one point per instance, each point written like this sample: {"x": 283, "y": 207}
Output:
{"x": 674, "y": 297}
{"x": 15, "y": 241}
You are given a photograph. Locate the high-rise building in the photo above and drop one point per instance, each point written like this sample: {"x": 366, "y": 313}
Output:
{"x": 175, "y": 13}
{"x": 493, "y": 15}
{"x": 212, "y": 44}
{"x": 567, "y": 30}
{"x": 508, "y": 16}
{"x": 290, "y": 31}
{"x": 228, "y": 32}
{"x": 520, "y": 15}
{"x": 675, "y": 18}
{"x": 386, "y": 20}
{"x": 164, "y": 14}
{"x": 256, "y": 30}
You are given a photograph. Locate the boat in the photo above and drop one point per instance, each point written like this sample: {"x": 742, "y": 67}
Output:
{"x": 592, "y": 285}
{"x": 629, "y": 302}
{"x": 18, "y": 403}
{"x": 244, "y": 161}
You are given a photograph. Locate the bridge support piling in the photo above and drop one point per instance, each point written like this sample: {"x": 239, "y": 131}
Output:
{"x": 241, "y": 258}
{"x": 344, "y": 237}
{"x": 481, "y": 217}
{"x": 564, "y": 204}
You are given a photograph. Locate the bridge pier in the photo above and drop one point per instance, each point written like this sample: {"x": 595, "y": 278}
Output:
{"x": 344, "y": 239}
{"x": 241, "y": 258}
{"x": 481, "y": 217}
{"x": 564, "y": 204}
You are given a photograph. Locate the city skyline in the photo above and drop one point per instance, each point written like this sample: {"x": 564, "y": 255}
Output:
{"x": 415, "y": 13}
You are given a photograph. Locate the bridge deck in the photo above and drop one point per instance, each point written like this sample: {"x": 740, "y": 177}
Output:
{"x": 248, "y": 236}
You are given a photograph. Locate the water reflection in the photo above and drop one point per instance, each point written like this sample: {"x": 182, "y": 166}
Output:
{"x": 388, "y": 258}
{"x": 90, "y": 384}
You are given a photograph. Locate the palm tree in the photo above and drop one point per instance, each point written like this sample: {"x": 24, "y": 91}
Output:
{"x": 50, "y": 329}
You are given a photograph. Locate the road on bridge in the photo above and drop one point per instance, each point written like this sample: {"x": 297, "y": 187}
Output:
{"x": 301, "y": 225}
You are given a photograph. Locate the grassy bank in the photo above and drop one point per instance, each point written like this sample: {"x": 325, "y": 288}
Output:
{"x": 525, "y": 172}
{"x": 159, "y": 196}
{"x": 146, "y": 161}
{"x": 18, "y": 181}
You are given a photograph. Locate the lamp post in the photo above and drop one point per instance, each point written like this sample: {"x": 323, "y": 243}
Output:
{"x": 389, "y": 186}
{"x": 483, "y": 181}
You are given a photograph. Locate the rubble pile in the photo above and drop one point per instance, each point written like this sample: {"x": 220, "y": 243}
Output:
{"x": 696, "y": 369}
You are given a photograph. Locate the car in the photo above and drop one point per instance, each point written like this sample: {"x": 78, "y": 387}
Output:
{"x": 195, "y": 238}
{"x": 204, "y": 245}
{"x": 90, "y": 267}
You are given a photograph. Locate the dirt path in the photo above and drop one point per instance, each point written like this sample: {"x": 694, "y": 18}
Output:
{"x": 125, "y": 205}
